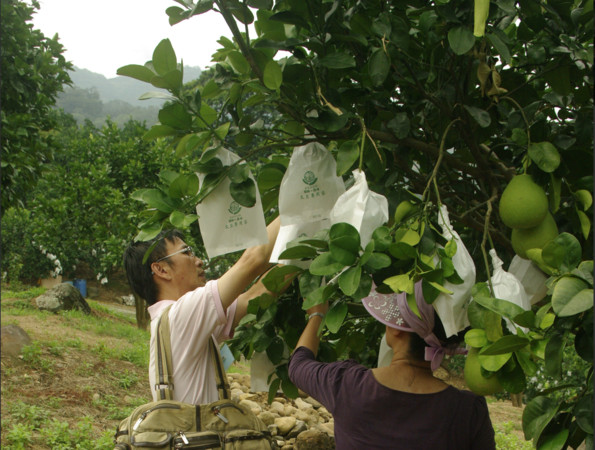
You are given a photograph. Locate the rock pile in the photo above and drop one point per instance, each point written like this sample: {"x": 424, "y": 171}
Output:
{"x": 302, "y": 423}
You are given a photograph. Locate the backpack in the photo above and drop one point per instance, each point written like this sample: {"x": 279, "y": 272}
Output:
{"x": 169, "y": 424}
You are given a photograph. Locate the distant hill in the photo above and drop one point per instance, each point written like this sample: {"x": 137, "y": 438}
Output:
{"x": 95, "y": 97}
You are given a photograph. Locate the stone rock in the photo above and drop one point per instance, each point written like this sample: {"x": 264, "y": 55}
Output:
{"x": 314, "y": 440}
{"x": 128, "y": 300}
{"x": 267, "y": 417}
{"x": 315, "y": 403}
{"x": 62, "y": 297}
{"x": 274, "y": 429}
{"x": 277, "y": 407}
{"x": 255, "y": 407}
{"x": 13, "y": 339}
{"x": 301, "y": 404}
{"x": 285, "y": 424}
{"x": 289, "y": 410}
{"x": 300, "y": 426}
{"x": 327, "y": 427}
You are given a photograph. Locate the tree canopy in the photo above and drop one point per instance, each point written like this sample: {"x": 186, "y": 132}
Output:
{"x": 33, "y": 72}
{"x": 439, "y": 103}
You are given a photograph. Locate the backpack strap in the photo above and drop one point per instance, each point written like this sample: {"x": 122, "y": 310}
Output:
{"x": 223, "y": 389}
{"x": 164, "y": 366}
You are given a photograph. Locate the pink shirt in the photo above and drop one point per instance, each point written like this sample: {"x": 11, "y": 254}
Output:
{"x": 194, "y": 318}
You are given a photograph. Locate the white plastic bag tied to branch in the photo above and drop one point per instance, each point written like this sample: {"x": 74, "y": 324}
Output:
{"x": 452, "y": 308}
{"x": 366, "y": 210}
{"x": 288, "y": 233}
{"x": 225, "y": 225}
{"x": 310, "y": 186}
{"x": 507, "y": 287}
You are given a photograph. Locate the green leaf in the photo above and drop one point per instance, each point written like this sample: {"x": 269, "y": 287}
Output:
{"x": 553, "y": 441}
{"x": 335, "y": 316}
{"x": 583, "y": 411}
{"x": 182, "y": 221}
{"x": 503, "y": 307}
{"x": 481, "y": 116}
{"x": 378, "y": 67}
{"x": 537, "y": 414}
{"x": 337, "y": 60}
{"x": 148, "y": 232}
{"x": 461, "y": 40}
{"x": 273, "y": 75}
{"x": 184, "y": 185}
{"x": 273, "y": 388}
{"x": 476, "y": 337}
{"x": 382, "y": 238}
{"x": 289, "y": 388}
{"x": 584, "y": 198}
{"x": 377, "y": 261}
{"x": 222, "y": 130}
{"x": 299, "y": 252}
{"x": 500, "y": 47}
{"x": 524, "y": 359}
{"x": 154, "y": 198}
{"x": 407, "y": 236}
{"x": 346, "y": 156}
{"x": 279, "y": 276}
{"x": 493, "y": 363}
{"x": 545, "y": 155}
{"x": 269, "y": 178}
{"x": 512, "y": 378}
{"x": 308, "y": 283}
{"x": 505, "y": 344}
{"x": 244, "y": 193}
{"x": 238, "y": 173}
{"x": 175, "y": 115}
{"x": 554, "y": 352}
{"x": 275, "y": 350}
{"x": 440, "y": 288}
{"x": 238, "y": 62}
{"x": 208, "y": 114}
{"x": 325, "y": 265}
{"x": 400, "y": 283}
{"x": 563, "y": 252}
{"x": 349, "y": 280}
{"x": 157, "y": 131}
{"x": 364, "y": 288}
{"x": 157, "y": 94}
{"x": 585, "y": 223}
{"x": 164, "y": 57}
{"x": 137, "y": 72}
{"x": 571, "y": 296}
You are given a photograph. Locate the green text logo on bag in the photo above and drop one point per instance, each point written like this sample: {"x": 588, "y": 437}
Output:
{"x": 309, "y": 178}
{"x": 234, "y": 208}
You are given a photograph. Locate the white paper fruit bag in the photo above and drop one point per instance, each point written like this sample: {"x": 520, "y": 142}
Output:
{"x": 452, "y": 308}
{"x": 508, "y": 287}
{"x": 310, "y": 186}
{"x": 225, "y": 225}
{"x": 366, "y": 210}
{"x": 530, "y": 276}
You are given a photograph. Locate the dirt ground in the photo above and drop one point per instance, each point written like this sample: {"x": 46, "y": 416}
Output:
{"x": 87, "y": 384}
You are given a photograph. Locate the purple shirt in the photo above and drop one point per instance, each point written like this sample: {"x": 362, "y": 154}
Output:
{"x": 369, "y": 415}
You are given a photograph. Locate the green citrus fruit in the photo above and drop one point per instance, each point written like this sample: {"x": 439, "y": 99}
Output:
{"x": 536, "y": 237}
{"x": 523, "y": 203}
{"x": 474, "y": 378}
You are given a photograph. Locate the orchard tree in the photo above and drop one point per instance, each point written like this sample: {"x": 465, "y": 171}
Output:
{"x": 33, "y": 72}
{"x": 439, "y": 103}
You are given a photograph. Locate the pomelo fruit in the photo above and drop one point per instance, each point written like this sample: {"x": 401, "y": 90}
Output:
{"x": 523, "y": 203}
{"x": 474, "y": 378}
{"x": 523, "y": 239}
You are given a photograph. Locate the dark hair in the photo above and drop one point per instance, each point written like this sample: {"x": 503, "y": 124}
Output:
{"x": 140, "y": 277}
{"x": 417, "y": 346}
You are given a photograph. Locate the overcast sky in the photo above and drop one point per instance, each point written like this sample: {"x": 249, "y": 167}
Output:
{"x": 102, "y": 35}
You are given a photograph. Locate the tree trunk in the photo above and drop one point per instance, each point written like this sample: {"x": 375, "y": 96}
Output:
{"x": 142, "y": 314}
{"x": 517, "y": 399}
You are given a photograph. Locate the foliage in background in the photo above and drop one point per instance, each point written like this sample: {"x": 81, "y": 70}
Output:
{"x": 435, "y": 112}
{"x": 33, "y": 72}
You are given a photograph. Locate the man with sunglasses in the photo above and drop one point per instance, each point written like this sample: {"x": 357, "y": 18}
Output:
{"x": 201, "y": 309}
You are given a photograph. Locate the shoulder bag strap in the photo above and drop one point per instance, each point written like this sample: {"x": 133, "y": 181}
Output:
{"x": 163, "y": 369}
{"x": 223, "y": 389}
